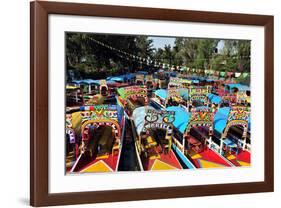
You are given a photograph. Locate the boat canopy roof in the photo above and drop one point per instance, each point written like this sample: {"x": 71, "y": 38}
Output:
{"x": 162, "y": 93}
{"x": 138, "y": 117}
{"x": 240, "y": 87}
{"x": 214, "y": 98}
{"x": 186, "y": 81}
{"x": 86, "y": 81}
{"x": 184, "y": 93}
{"x": 91, "y": 82}
{"x": 121, "y": 92}
{"x": 181, "y": 117}
{"x": 199, "y": 78}
{"x": 220, "y": 119}
{"x": 171, "y": 73}
{"x": 110, "y": 82}
{"x": 202, "y": 108}
{"x": 69, "y": 87}
{"x": 142, "y": 72}
{"x": 116, "y": 84}
{"x": 210, "y": 80}
{"x": 121, "y": 78}
{"x": 196, "y": 81}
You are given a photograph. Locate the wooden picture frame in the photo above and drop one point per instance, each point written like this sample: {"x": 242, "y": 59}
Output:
{"x": 39, "y": 195}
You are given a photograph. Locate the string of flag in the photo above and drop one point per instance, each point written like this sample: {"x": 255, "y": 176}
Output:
{"x": 128, "y": 56}
{"x": 210, "y": 72}
{"x": 148, "y": 61}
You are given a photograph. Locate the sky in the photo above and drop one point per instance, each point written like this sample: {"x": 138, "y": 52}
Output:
{"x": 220, "y": 45}
{"x": 160, "y": 42}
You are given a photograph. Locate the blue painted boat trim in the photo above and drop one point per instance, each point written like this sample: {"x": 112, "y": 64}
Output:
{"x": 156, "y": 105}
{"x": 183, "y": 157}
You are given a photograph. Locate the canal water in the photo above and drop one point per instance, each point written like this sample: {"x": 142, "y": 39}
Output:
{"x": 128, "y": 158}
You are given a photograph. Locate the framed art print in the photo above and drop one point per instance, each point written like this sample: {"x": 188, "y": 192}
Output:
{"x": 132, "y": 103}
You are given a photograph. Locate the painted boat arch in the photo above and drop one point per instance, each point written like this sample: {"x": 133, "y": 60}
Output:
{"x": 202, "y": 117}
{"x": 149, "y": 78}
{"x": 199, "y": 93}
{"x": 100, "y": 115}
{"x": 103, "y": 87}
{"x": 101, "y": 122}
{"x": 175, "y": 82}
{"x": 140, "y": 79}
{"x": 108, "y": 158}
{"x": 238, "y": 116}
{"x": 131, "y": 92}
{"x": 174, "y": 94}
{"x": 161, "y": 153}
{"x": 159, "y": 120}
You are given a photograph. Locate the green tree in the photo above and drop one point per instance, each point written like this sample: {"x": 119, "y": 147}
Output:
{"x": 205, "y": 52}
{"x": 93, "y": 54}
{"x": 168, "y": 54}
{"x": 237, "y": 55}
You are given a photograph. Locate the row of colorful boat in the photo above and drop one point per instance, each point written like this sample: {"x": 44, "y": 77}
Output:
{"x": 181, "y": 127}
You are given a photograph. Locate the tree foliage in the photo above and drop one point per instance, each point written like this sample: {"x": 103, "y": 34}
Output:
{"x": 83, "y": 52}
